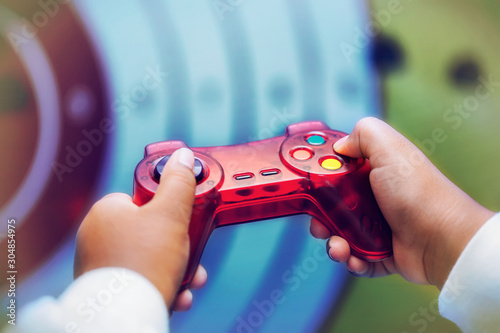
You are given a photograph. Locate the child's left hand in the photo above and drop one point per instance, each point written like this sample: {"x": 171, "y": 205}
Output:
{"x": 151, "y": 240}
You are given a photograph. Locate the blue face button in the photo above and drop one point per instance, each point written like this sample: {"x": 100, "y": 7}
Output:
{"x": 316, "y": 140}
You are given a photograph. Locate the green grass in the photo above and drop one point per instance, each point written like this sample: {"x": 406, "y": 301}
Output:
{"x": 390, "y": 304}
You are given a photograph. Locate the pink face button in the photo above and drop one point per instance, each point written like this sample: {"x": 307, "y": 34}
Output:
{"x": 302, "y": 154}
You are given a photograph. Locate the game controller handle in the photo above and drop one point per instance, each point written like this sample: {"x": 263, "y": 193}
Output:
{"x": 297, "y": 173}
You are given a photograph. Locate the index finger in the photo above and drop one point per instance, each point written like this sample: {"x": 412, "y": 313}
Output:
{"x": 375, "y": 140}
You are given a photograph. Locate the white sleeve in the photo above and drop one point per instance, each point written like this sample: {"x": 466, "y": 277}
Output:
{"x": 102, "y": 300}
{"x": 471, "y": 295}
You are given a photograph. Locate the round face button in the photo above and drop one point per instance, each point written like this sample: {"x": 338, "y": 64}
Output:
{"x": 316, "y": 140}
{"x": 302, "y": 154}
{"x": 199, "y": 171}
{"x": 331, "y": 163}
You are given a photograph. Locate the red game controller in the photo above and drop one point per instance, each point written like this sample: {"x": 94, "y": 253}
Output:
{"x": 292, "y": 174}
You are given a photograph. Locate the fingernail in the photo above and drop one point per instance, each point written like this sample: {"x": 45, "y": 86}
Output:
{"x": 328, "y": 247}
{"x": 354, "y": 273}
{"x": 340, "y": 142}
{"x": 186, "y": 157}
{"x": 359, "y": 274}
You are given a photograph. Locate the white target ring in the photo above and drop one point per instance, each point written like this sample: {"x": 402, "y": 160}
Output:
{"x": 40, "y": 74}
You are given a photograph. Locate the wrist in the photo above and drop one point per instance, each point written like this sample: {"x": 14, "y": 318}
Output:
{"x": 164, "y": 283}
{"x": 455, "y": 229}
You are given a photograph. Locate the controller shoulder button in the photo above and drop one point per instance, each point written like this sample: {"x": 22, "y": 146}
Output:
{"x": 306, "y": 126}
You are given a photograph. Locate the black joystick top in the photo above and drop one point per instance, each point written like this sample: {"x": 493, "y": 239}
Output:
{"x": 199, "y": 171}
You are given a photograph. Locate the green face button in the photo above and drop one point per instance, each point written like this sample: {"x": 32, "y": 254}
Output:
{"x": 316, "y": 140}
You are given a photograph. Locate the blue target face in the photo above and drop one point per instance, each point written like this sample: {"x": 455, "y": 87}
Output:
{"x": 227, "y": 72}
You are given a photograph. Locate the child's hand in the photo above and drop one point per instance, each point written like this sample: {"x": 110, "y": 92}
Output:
{"x": 151, "y": 240}
{"x": 432, "y": 220}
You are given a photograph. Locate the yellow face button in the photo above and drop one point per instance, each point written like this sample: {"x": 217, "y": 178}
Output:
{"x": 331, "y": 164}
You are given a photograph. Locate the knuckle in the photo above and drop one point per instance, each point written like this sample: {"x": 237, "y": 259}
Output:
{"x": 368, "y": 124}
{"x": 97, "y": 209}
{"x": 110, "y": 196}
{"x": 103, "y": 204}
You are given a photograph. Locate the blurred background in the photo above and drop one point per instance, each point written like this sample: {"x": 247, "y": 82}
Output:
{"x": 218, "y": 72}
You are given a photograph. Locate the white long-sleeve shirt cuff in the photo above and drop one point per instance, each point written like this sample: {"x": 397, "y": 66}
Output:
{"x": 102, "y": 300}
{"x": 471, "y": 295}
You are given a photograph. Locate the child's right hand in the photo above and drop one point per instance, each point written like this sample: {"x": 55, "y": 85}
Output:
{"x": 432, "y": 220}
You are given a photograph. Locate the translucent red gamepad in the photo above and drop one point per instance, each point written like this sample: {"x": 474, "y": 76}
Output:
{"x": 296, "y": 173}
